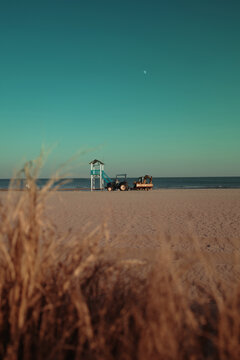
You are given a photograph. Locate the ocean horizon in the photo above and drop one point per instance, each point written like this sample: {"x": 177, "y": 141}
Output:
{"x": 225, "y": 182}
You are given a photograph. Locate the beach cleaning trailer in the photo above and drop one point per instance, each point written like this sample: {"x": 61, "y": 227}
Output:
{"x": 143, "y": 183}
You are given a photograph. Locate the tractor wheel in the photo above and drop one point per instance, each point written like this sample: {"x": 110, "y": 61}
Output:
{"x": 123, "y": 187}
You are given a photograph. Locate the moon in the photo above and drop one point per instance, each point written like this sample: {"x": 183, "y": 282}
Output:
{"x": 145, "y": 72}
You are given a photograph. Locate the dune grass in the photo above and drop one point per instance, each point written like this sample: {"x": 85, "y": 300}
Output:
{"x": 66, "y": 300}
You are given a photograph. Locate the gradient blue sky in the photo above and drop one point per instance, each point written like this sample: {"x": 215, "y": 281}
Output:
{"x": 72, "y": 74}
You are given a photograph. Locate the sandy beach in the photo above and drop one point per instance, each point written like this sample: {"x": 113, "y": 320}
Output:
{"x": 142, "y": 221}
{"x": 137, "y": 225}
{"x": 114, "y": 240}
{"x": 137, "y": 219}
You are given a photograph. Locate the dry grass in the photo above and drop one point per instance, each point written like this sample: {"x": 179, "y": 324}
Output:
{"x": 64, "y": 300}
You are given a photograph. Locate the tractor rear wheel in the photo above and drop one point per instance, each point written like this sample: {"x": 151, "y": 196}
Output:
{"x": 123, "y": 187}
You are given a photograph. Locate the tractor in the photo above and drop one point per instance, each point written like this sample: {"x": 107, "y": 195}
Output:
{"x": 143, "y": 183}
{"x": 120, "y": 183}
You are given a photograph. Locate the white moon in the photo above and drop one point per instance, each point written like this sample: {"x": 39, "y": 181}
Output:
{"x": 145, "y": 72}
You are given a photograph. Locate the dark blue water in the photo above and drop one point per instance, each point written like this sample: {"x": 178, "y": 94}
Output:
{"x": 159, "y": 183}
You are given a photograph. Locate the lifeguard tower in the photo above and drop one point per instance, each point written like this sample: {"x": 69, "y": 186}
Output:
{"x": 97, "y": 173}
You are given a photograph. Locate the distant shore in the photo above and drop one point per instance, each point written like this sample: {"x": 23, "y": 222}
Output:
{"x": 229, "y": 182}
{"x": 64, "y": 189}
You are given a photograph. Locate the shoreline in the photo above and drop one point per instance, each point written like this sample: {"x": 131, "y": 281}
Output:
{"x": 131, "y": 190}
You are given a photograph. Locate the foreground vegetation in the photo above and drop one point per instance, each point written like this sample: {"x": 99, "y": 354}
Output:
{"x": 65, "y": 299}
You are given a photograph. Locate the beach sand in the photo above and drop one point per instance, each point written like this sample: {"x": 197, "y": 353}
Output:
{"x": 139, "y": 225}
{"x": 140, "y": 219}
{"x": 143, "y": 221}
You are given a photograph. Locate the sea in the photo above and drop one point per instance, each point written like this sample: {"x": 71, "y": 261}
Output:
{"x": 159, "y": 183}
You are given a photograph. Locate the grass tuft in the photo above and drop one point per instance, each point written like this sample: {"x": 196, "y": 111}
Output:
{"x": 65, "y": 300}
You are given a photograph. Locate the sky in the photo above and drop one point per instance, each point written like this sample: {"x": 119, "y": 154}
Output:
{"x": 145, "y": 86}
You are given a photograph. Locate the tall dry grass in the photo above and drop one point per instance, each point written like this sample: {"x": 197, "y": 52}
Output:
{"x": 65, "y": 300}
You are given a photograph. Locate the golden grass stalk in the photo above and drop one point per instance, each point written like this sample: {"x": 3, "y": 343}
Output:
{"x": 65, "y": 300}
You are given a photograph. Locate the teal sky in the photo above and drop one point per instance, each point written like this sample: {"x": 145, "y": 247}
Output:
{"x": 146, "y": 86}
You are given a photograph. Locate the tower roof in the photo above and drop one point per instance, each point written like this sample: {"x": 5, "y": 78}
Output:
{"x": 96, "y": 162}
